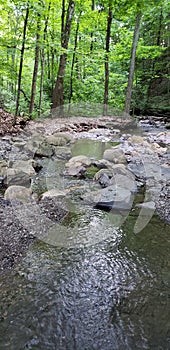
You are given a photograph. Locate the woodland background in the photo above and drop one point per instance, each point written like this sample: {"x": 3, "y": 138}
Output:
{"x": 109, "y": 52}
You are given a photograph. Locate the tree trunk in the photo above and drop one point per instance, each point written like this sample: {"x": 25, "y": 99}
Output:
{"x": 132, "y": 63}
{"x": 106, "y": 88}
{"x": 43, "y": 61}
{"x": 73, "y": 60}
{"x": 36, "y": 63}
{"x": 21, "y": 63}
{"x": 91, "y": 45}
{"x": 58, "y": 93}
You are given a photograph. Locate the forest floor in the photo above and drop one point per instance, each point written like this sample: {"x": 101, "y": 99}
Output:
{"x": 6, "y": 123}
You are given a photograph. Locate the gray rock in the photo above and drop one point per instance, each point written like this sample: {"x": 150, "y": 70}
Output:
{"x": 120, "y": 198}
{"x": 77, "y": 171}
{"x": 44, "y": 150}
{"x": 53, "y": 193}
{"x": 118, "y": 175}
{"x": 62, "y": 152}
{"x": 18, "y": 193}
{"x": 24, "y": 166}
{"x": 17, "y": 177}
{"x": 56, "y": 140}
{"x": 68, "y": 138}
{"x": 3, "y": 168}
{"x": 114, "y": 155}
{"x": 79, "y": 161}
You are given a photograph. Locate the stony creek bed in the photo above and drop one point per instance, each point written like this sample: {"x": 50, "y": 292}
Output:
{"x": 85, "y": 236}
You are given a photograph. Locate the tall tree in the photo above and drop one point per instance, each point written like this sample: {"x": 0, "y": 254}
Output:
{"x": 132, "y": 63}
{"x": 43, "y": 58}
{"x": 58, "y": 93}
{"x": 73, "y": 59}
{"x": 36, "y": 64}
{"x": 21, "y": 63}
{"x": 106, "y": 88}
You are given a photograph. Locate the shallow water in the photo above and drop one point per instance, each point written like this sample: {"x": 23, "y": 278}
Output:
{"x": 113, "y": 294}
{"x": 100, "y": 287}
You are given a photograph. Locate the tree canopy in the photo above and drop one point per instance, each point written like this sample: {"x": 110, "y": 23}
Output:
{"x": 56, "y": 52}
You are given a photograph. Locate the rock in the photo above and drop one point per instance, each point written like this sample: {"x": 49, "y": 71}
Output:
{"x": 119, "y": 198}
{"x": 118, "y": 175}
{"x": 77, "y": 171}
{"x": 114, "y": 155}
{"x": 79, "y": 161}
{"x": 67, "y": 137}
{"x": 102, "y": 172}
{"x": 136, "y": 139}
{"x": 53, "y": 193}
{"x": 56, "y": 140}
{"x": 167, "y": 126}
{"x": 3, "y": 168}
{"x": 102, "y": 164}
{"x": 62, "y": 152}
{"x": 17, "y": 177}
{"x": 33, "y": 144}
{"x": 18, "y": 193}
{"x": 44, "y": 150}
{"x": 24, "y": 166}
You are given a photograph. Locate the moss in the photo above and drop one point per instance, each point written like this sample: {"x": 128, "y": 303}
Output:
{"x": 113, "y": 144}
{"x": 91, "y": 171}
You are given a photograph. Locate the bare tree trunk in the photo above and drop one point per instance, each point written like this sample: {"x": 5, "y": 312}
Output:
{"x": 73, "y": 60}
{"x": 132, "y": 63}
{"x": 36, "y": 63}
{"x": 21, "y": 63}
{"x": 43, "y": 61}
{"x": 106, "y": 88}
{"x": 58, "y": 93}
{"x": 91, "y": 45}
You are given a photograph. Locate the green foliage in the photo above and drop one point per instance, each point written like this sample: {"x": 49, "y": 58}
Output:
{"x": 88, "y": 72}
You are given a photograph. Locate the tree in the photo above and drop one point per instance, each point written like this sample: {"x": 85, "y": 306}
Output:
{"x": 43, "y": 58}
{"x": 36, "y": 63}
{"x": 21, "y": 62}
{"x": 106, "y": 89}
{"x": 132, "y": 63}
{"x": 58, "y": 93}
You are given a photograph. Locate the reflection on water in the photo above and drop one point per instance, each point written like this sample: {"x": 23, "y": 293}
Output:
{"x": 112, "y": 295}
{"x": 90, "y": 148}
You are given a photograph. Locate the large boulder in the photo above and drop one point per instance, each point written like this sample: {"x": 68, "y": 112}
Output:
{"x": 113, "y": 197}
{"x": 115, "y": 155}
{"x": 18, "y": 193}
{"x": 118, "y": 175}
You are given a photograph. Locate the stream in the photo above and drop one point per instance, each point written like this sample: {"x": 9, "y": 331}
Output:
{"x": 110, "y": 290}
